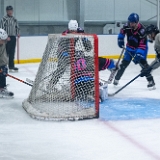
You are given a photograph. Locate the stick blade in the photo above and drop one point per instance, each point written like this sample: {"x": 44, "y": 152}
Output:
{"x": 111, "y": 94}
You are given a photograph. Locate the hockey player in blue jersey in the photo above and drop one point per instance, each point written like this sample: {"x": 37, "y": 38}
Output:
{"x": 136, "y": 47}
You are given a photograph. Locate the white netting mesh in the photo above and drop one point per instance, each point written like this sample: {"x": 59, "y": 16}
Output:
{"x": 65, "y": 85}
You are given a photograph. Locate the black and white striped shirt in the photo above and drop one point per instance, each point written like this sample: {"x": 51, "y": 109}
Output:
{"x": 10, "y": 25}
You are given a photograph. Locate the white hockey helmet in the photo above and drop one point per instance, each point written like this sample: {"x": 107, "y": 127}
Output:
{"x": 73, "y": 25}
{"x": 3, "y": 34}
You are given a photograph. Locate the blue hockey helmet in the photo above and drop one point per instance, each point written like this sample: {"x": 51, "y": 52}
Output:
{"x": 133, "y": 17}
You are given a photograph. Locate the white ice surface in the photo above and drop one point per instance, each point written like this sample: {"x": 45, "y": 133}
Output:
{"x": 24, "y": 138}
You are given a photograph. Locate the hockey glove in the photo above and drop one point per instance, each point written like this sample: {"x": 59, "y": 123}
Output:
{"x": 139, "y": 55}
{"x": 3, "y": 71}
{"x": 120, "y": 42}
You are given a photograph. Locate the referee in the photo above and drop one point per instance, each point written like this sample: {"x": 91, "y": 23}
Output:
{"x": 10, "y": 25}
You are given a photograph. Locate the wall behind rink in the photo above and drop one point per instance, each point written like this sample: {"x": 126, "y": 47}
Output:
{"x": 32, "y": 48}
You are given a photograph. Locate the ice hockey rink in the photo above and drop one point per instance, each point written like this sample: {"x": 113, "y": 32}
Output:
{"x": 128, "y": 127}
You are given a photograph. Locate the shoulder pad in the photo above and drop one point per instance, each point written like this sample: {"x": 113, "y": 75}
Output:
{"x": 142, "y": 31}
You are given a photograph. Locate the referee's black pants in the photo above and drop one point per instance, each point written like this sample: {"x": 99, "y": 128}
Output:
{"x": 10, "y": 48}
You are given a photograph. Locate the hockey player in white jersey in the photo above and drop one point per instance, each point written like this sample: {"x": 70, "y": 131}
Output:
{"x": 3, "y": 65}
{"x": 153, "y": 34}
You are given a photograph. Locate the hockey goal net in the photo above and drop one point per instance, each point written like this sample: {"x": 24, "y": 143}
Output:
{"x": 66, "y": 86}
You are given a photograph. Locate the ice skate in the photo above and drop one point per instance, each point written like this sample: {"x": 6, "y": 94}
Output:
{"x": 4, "y": 93}
{"x": 12, "y": 70}
{"x": 151, "y": 85}
{"x": 116, "y": 82}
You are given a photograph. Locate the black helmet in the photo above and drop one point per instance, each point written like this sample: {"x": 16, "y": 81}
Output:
{"x": 151, "y": 28}
{"x": 9, "y": 8}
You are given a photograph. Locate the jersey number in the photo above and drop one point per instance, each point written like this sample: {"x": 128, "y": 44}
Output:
{"x": 80, "y": 64}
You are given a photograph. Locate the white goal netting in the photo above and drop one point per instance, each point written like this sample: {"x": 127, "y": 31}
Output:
{"x": 66, "y": 86}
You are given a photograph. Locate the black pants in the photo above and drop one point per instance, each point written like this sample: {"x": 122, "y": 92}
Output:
{"x": 124, "y": 64}
{"x": 2, "y": 81}
{"x": 10, "y": 48}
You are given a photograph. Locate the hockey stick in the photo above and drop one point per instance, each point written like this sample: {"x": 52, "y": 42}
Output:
{"x": 129, "y": 81}
{"x": 29, "y": 81}
{"x": 114, "y": 71}
{"x": 110, "y": 95}
{"x": 19, "y": 80}
{"x": 24, "y": 82}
